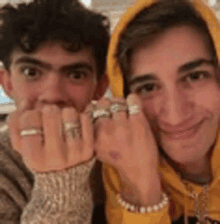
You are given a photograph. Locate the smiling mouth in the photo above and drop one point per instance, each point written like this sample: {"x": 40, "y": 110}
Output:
{"x": 188, "y": 133}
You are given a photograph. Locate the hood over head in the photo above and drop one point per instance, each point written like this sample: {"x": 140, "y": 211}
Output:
{"x": 114, "y": 71}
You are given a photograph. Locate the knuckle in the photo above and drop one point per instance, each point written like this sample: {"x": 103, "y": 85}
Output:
{"x": 30, "y": 117}
{"x": 121, "y": 131}
{"x": 29, "y": 114}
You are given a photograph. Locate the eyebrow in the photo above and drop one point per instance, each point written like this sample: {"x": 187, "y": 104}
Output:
{"x": 194, "y": 64}
{"x": 183, "y": 68}
{"x": 72, "y": 66}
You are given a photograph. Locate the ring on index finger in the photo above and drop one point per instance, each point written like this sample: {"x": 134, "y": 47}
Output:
{"x": 73, "y": 130}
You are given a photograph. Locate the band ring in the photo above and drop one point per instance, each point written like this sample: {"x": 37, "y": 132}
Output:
{"x": 72, "y": 130}
{"x": 133, "y": 109}
{"x": 118, "y": 107}
{"x": 34, "y": 131}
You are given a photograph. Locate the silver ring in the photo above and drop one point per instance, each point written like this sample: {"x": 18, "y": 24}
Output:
{"x": 33, "y": 131}
{"x": 117, "y": 107}
{"x": 73, "y": 130}
{"x": 133, "y": 109}
{"x": 101, "y": 113}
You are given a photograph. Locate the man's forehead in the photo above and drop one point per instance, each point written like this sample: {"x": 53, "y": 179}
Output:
{"x": 54, "y": 53}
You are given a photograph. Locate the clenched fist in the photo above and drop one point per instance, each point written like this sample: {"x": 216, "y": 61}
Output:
{"x": 126, "y": 142}
{"x": 55, "y": 149}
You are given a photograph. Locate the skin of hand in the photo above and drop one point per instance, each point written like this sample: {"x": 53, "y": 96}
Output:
{"x": 51, "y": 152}
{"x": 127, "y": 143}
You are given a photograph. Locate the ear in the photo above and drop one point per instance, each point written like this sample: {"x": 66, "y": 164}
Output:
{"x": 5, "y": 81}
{"x": 101, "y": 87}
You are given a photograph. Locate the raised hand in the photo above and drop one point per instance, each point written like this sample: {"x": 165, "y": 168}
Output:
{"x": 62, "y": 137}
{"x": 127, "y": 142}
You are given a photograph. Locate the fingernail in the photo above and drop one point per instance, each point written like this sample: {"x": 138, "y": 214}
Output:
{"x": 131, "y": 99}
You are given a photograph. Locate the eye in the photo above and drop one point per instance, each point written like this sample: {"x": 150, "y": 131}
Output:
{"x": 146, "y": 89}
{"x": 77, "y": 75}
{"x": 196, "y": 76}
{"x": 30, "y": 72}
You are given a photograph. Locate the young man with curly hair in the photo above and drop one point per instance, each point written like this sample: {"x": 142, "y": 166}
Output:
{"x": 54, "y": 54}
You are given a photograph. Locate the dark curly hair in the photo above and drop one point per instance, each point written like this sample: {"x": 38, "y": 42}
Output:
{"x": 28, "y": 25}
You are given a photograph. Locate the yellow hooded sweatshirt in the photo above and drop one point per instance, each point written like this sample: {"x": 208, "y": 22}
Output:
{"x": 181, "y": 201}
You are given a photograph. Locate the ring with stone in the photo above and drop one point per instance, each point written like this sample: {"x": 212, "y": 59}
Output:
{"x": 133, "y": 109}
{"x": 73, "y": 130}
{"x": 101, "y": 113}
{"x": 118, "y": 107}
{"x": 33, "y": 131}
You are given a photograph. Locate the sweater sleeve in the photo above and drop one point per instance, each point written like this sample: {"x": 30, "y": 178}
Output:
{"x": 117, "y": 214}
{"x": 61, "y": 197}
{"x": 54, "y": 197}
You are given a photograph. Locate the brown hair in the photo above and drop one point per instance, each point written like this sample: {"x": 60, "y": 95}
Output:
{"x": 152, "y": 22}
{"x": 28, "y": 25}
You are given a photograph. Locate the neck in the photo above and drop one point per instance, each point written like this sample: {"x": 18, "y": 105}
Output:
{"x": 199, "y": 172}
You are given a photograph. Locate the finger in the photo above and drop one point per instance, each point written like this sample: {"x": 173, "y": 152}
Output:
{"x": 119, "y": 111}
{"x": 102, "y": 121}
{"x": 73, "y": 135}
{"x": 14, "y": 123}
{"x": 55, "y": 149}
{"x": 14, "y": 128}
{"x": 87, "y": 133}
{"x": 31, "y": 144}
{"x": 137, "y": 121}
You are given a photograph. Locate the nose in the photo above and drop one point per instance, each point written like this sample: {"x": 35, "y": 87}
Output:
{"x": 53, "y": 91}
{"x": 177, "y": 108}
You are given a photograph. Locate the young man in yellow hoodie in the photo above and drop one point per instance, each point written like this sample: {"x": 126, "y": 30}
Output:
{"x": 165, "y": 53}
{"x": 54, "y": 55}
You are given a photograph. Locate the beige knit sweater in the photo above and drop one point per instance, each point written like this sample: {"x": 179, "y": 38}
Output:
{"x": 65, "y": 197}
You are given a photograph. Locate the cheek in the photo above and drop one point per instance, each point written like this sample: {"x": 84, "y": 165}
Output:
{"x": 150, "y": 108}
{"x": 208, "y": 98}
{"x": 23, "y": 90}
{"x": 82, "y": 92}
{"x": 150, "y": 113}
{"x": 81, "y": 95}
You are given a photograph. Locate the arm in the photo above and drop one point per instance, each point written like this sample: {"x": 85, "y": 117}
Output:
{"x": 61, "y": 197}
{"x": 19, "y": 200}
{"x": 118, "y": 215}
{"x": 61, "y": 194}
{"x": 132, "y": 150}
